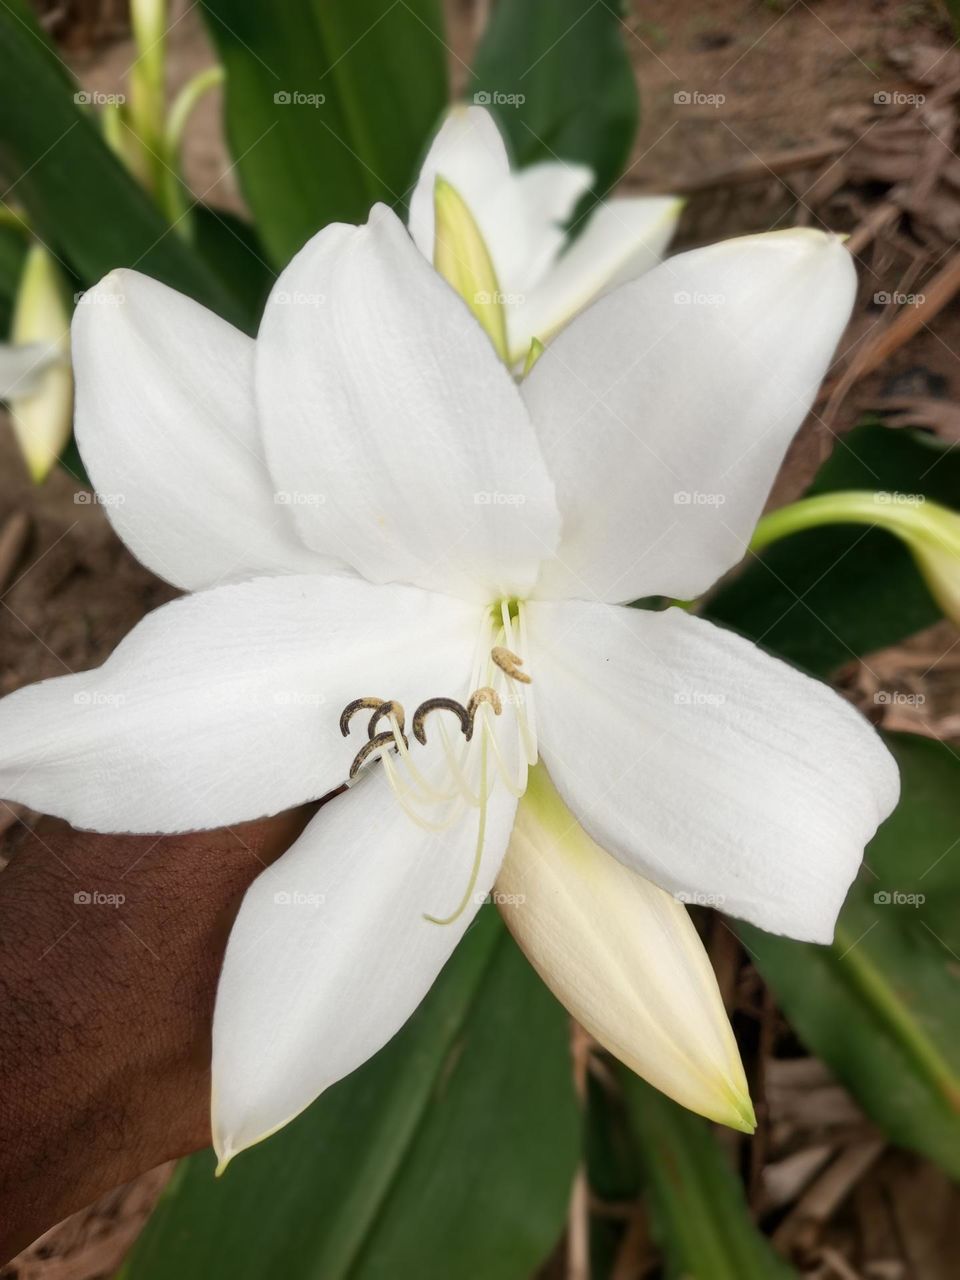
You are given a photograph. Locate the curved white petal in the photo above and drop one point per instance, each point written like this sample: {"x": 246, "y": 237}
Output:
{"x": 521, "y": 214}
{"x": 330, "y": 953}
{"x": 716, "y": 771}
{"x": 225, "y": 705}
{"x": 665, "y": 409}
{"x": 22, "y": 366}
{"x": 166, "y": 425}
{"x": 622, "y": 239}
{"x": 383, "y": 400}
{"x": 623, "y": 956}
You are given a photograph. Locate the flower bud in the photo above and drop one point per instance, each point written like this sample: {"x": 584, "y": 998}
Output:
{"x": 41, "y": 404}
{"x": 623, "y": 956}
{"x": 461, "y": 256}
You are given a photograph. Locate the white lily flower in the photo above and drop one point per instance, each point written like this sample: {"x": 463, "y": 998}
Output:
{"x": 374, "y": 516}
{"x": 523, "y": 215}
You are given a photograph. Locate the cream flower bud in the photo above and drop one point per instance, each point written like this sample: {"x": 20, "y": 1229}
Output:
{"x": 41, "y": 407}
{"x": 462, "y": 258}
{"x": 623, "y": 956}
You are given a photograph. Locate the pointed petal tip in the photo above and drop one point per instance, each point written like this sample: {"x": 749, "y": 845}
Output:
{"x": 744, "y": 1118}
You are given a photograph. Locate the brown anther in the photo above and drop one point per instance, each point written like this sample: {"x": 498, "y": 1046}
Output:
{"x": 440, "y": 704}
{"x": 486, "y": 694}
{"x": 379, "y": 743}
{"x": 390, "y": 708}
{"x": 510, "y": 663}
{"x": 358, "y": 704}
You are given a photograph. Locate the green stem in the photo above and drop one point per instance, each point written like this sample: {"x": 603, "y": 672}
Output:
{"x": 895, "y": 1015}
{"x": 172, "y": 197}
{"x": 848, "y": 506}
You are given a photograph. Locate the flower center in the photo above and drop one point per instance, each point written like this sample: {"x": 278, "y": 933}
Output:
{"x": 461, "y": 751}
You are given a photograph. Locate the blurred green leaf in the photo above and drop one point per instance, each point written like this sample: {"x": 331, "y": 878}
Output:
{"x": 79, "y": 198}
{"x": 824, "y": 597}
{"x": 329, "y": 106}
{"x": 699, "y": 1213}
{"x": 558, "y": 75}
{"x": 882, "y": 1005}
{"x": 13, "y": 250}
{"x": 232, "y": 249}
{"x": 451, "y": 1153}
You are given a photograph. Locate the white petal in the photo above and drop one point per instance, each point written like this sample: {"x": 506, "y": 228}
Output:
{"x": 716, "y": 771}
{"x": 622, "y": 239}
{"x": 22, "y": 366}
{"x": 382, "y": 397}
{"x": 525, "y": 226}
{"x": 623, "y": 956}
{"x": 166, "y": 425}
{"x": 665, "y": 409}
{"x": 330, "y": 953}
{"x": 225, "y": 705}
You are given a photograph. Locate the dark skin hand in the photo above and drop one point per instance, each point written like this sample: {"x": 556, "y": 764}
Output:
{"x": 106, "y": 1005}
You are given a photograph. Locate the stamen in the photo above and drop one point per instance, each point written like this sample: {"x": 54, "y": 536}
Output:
{"x": 379, "y": 743}
{"x": 440, "y": 704}
{"x": 488, "y": 695}
{"x": 403, "y": 797}
{"x": 456, "y": 768}
{"x": 478, "y": 850}
{"x": 510, "y": 663}
{"x": 351, "y": 709}
{"x": 392, "y": 709}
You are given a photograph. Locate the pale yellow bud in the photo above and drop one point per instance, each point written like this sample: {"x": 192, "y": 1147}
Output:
{"x": 461, "y": 256}
{"x": 623, "y": 956}
{"x": 42, "y": 412}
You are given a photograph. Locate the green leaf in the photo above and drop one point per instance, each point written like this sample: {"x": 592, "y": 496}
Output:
{"x": 13, "y": 251}
{"x": 824, "y": 597}
{"x": 882, "y": 1005}
{"x": 232, "y": 249}
{"x": 699, "y": 1212}
{"x": 451, "y": 1153}
{"x": 557, "y": 74}
{"x": 329, "y": 106}
{"x": 79, "y": 198}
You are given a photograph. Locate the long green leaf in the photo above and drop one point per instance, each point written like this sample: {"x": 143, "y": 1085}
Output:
{"x": 329, "y": 106}
{"x": 558, "y": 76}
{"x": 882, "y": 1004}
{"x": 449, "y": 1154}
{"x": 699, "y": 1213}
{"x": 829, "y": 595}
{"x": 78, "y": 196}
